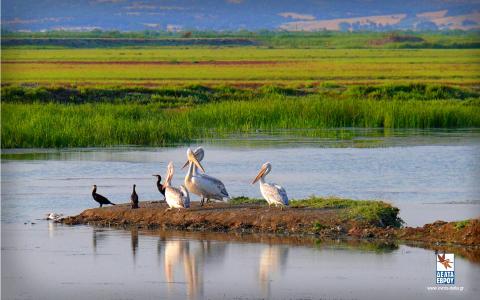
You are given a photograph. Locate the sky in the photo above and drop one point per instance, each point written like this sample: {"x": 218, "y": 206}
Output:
{"x": 177, "y": 15}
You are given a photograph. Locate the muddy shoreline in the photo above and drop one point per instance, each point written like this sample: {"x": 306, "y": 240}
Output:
{"x": 320, "y": 223}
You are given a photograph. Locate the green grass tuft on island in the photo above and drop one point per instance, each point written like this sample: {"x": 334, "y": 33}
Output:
{"x": 372, "y": 212}
{"x": 246, "y": 200}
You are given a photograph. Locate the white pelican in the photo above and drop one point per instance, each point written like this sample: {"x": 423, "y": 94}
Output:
{"x": 175, "y": 197}
{"x": 273, "y": 193}
{"x": 205, "y": 186}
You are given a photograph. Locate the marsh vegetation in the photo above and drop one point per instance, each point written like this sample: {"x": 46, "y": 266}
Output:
{"x": 153, "y": 96}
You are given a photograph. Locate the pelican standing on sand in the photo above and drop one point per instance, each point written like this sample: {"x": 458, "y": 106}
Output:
{"x": 207, "y": 187}
{"x": 99, "y": 198}
{"x": 134, "y": 198}
{"x": 273, "y": 193}
{"x": 175, "y": 197}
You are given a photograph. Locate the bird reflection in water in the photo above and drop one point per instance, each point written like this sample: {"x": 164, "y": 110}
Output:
{"x": 193, "y": 277}
{"x": 273, "y": 259}
{"x": 98, "y": 237}
{"x": 178, "y": 252}
{"x": 51, "y": 229}
{"x": 134, "y": 241}
{"x": 193, "y": 255}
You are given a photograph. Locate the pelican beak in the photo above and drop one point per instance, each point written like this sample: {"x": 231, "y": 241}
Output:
{"x": 260, "y": 174}
{"x": 193, "y": 159}
{"x": 186, "y": 164}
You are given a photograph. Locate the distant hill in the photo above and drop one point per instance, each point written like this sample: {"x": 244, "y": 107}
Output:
{"x": 301, "y": 15}
{"x": 267, "y": 39}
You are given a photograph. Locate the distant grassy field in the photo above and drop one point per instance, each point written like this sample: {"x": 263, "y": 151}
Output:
{"x": 238, "y": 66}
{"x": 54, "y": 97}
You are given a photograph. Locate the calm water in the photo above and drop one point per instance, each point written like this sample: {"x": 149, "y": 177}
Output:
{"x": 89, "y": 263}
{"x": 429, "y": 175}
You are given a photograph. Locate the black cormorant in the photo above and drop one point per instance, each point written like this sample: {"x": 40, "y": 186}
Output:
{"x": 160, "y": 186}
{"x": 99, "y": 198}
{"x": 134, "y": 198}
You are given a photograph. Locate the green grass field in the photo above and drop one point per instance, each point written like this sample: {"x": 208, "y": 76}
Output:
{"x": 238, "y": 66}
{"x": 105, "y": 124}
{"x": 159, "y": 96}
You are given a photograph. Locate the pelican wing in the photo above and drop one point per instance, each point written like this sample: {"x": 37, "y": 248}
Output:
{"x": 186, "y": 196}
{"x": 274, "y": 193}
{"x": 211, "y": 185}
{"x": 174, "y": 197}
{"x": 283, "y": 193}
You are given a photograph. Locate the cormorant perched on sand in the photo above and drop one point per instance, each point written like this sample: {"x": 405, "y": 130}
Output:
{"x": 160, "y": 186}
{"x": 99, "y": 198}
{"x": 134, "y": 198}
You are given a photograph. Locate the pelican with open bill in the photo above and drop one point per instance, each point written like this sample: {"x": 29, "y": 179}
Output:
{"x": 273, "y": 193}
{"x": 203, "y": 185}
{"x": 175, "y": 197}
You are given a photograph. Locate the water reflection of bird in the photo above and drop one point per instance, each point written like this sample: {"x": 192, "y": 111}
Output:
{"x": 271, "y": 192}
{"x": 160, "y": 186}
{"x": 193, "y": 277}
{"x": 203, "y": 185}
{"x": 134, "y": 242}
{"x": 98, "y": 235}
{"x": 160, "y": 245}
{"x": 51, "y": 229}
{"x": 134, "y": 198}
{"x": 189, "y": 254}
{"x": 175, "y": 197}
{"x": 172, "y": 254}
{"x": 213, "y": 252}
{"x": 99, "y": 198}
{"x": 272, "y": 258}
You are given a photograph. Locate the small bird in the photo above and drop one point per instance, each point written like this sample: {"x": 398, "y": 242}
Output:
{"x": 99, "y": 198}
{"x": 175, "y": 197}
{"x": 134, "y": 198}
{"x": 271, "y": 192}
{"x": 54, "y": 216}
{"x": 160, "y": 186}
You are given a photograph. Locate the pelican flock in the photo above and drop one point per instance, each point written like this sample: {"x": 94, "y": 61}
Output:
{"x": 203, "y": 185}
